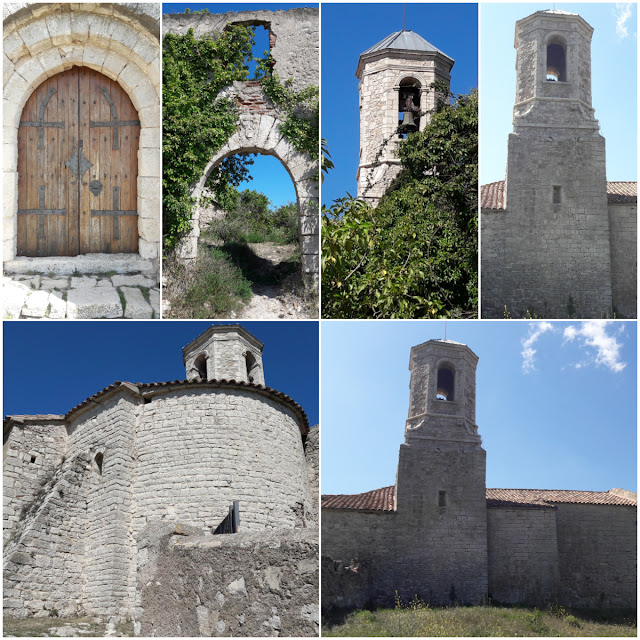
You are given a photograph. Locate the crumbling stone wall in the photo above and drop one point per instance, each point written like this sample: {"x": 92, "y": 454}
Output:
{"x": 344, "y": 586}
{"x": 623, "y": 233}
{"x": 31, "y": 454}
{"x": 120, "y": 41}
{"x": 43, "y": 565}
{"x": 252, "y": 583}
{"x": 597, "y": 546}
{"x": 295, "y": 47}
{"x": 293, "y": 35}
{"x": 523, "y": 555}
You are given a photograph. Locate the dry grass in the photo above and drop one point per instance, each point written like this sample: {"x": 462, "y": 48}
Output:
{"x": 419, "y": 620}
{"x": 88, "y": 627}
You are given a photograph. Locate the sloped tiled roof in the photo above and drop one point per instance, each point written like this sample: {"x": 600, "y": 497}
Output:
{"x": 405, "y": 40}
{"x": 377, "y": 500}
{"x": 508, "y": 497}
{"x": 384, "y": 499}
{"x": 492, "y": 194}
{"x": 141, "y": 388}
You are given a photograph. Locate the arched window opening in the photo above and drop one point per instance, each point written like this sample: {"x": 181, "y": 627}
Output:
{"x": 99, "y": 460}
{"x": 252, "y": 366}
{"x": 445, "y": 384}
{"x": 408, "y": 107}
{"x": 556, "y": 62}
{"x": 200, "y": 364}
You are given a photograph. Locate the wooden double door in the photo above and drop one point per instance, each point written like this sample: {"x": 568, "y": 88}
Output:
{"x": 77, "y": 167}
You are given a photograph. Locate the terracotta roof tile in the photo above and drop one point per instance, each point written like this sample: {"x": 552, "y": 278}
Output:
{"x": 492, "y": 194}
{"x": 141, "y": 387}
{"x": 384, "y": 499}
{"x": 377, "y": 500}
{"x": 498, "y": 497}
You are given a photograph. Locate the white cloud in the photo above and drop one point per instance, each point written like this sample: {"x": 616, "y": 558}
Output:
{"x": 536, "y": 329}
{"x": 622, "y": 13}
{"x": 603, "y": 349}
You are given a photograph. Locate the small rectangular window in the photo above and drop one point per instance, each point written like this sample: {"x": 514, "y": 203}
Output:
{"x": 557, "y": 195}
{"x": 442, "y": 498}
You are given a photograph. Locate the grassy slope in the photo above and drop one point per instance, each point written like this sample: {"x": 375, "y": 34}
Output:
{"x": 420, "y": 620}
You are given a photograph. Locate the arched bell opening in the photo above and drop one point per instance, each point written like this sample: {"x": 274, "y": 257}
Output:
{"x": 446, "y": 384}
{"x": 556, "y": 60}
{"x": 200, "y": 364}
{"x": 408, "y": 107}
{"x": 253, "y": 368}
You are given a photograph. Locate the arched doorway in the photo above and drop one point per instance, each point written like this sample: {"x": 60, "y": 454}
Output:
{"x": 78, "y": 140}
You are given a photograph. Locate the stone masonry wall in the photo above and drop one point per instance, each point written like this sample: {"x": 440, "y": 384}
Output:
{"x": 623, "y": 233}
{"x": 597, "y": 547}
{"x": 294, "y": 37}
{"x": 370, "y": 540}
{"x": 43, "y": 565}
{"x": 109, "y": 429}
{"x": 200, "y": 449}
{"x": 523, "y": 555}
{"x": 245, "y": 584}
{"x": 32, "y": 452}
{"x": 312, "y": 456}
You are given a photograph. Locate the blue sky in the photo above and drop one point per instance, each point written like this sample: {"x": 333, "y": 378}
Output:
{"x": 50, "y": 367}
{"x": 614, "y": 73}
{"x": 350, "y": 29}
{"x": 556, "y": 402}
{"x": 268, "y": 175}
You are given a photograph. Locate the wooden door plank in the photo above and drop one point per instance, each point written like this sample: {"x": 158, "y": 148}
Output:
{"x": 72, "y": 146}
{"x": 84, "y": 134}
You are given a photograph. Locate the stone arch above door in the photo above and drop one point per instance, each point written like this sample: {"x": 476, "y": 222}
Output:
{"x": 119, "y": 41}
{"x": 260, "y": 133}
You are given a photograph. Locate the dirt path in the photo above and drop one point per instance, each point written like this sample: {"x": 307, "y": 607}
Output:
{"x": 275, "y": 301}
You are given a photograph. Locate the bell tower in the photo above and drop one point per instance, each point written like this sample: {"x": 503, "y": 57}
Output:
{"x": 441, "y": 481}
{"x": 224, "y": 352}
{"x": 556, "y": 185}
{"x": 395, "y": 91}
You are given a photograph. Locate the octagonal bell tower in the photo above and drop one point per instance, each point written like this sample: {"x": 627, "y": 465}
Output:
{"x": 224, "y": 352}
{"x": 395, "y": 80}
{"x": 441, "y": 481}
{"x": 556, "y": 186}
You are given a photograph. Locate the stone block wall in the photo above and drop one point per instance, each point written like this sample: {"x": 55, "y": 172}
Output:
{"x": 441, "y": 533}
{"x": 31, "y": 454}
{"x": 623, "y": 234}
{"x": 245, "y": 584}
{"x": 357, "y": 538}
{"x": 199, "y": 449}
{"x": 597, "y": 547}
{"x": 293, "y": 35}
{"x": 523, "y": 555}
{"x": 108, "y": 430}
{"x": 312, "y": 456}
{"x": 344, "y": 586}
{"x": 44, "y": 562}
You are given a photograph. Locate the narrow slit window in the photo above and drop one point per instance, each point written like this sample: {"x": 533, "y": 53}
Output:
{"x": 442, "y": 498}
{"x": 99, "y": 460}
{"x": 557, "y": 195}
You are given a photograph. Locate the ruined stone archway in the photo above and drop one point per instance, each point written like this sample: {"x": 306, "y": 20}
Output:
{"x": 258, "y": 131}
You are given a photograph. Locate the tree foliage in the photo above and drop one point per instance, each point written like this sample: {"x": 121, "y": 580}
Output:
{"x": 196, "y": 122}
{"x": 415, "y": 255}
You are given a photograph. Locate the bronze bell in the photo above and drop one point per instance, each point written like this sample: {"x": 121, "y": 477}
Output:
{"x": 408, "y": 122}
